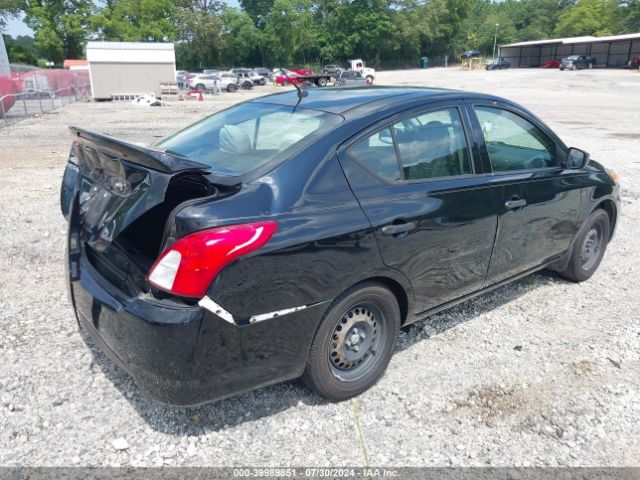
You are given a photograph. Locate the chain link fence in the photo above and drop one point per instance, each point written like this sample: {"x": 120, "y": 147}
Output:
{"x": 27, "y": 91}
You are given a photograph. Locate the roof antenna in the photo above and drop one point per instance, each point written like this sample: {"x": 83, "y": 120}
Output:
{"x": 302, "y": 92}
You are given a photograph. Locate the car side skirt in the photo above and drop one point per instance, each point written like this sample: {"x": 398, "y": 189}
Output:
{"x": 427, "y": 313}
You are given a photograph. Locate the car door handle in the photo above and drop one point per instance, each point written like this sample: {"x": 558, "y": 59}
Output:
{"x": 514, "y": 203}
{"x": 397, "y": 229}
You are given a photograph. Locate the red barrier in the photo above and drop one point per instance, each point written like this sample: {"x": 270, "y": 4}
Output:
{"x": 7, "y": 86}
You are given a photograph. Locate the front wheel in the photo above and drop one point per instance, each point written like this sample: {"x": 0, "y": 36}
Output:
{"x": 232, "y": 87}
{"x": 369, "y": 80}
{"x": 322, "y": 82}
{"x": 588, "y": 248}
{"x": 354, "y": 342}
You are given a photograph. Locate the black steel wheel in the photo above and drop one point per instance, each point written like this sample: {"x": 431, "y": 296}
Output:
{"x": 354, "y": 342}
{"x": 588, "y": 247}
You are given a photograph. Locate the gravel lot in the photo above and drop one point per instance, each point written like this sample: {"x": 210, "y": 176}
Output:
{"x": 542, "y": 372}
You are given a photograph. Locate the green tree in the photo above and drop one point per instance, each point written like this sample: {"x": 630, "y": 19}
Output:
{"x": 198, "y": 30}
{"x": 630, "y": 16}
{"x": 589, "y": 17}
{"x": 60, "y": 27}
{"x": 240, "y": 38}
{"x": 135, "y": 20}
{"x": 258, "y": 10}
{"x": 21, "y": 50}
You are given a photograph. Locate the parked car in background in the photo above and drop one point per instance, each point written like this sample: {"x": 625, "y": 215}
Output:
{"x": 470, "y": 54}
{"x": 256, "y": 78}
{"x": 264, "y": 72}
{"x": 499, "y": 64}
{"x": 288, "y": 77}
{"x": 332, "y": 70}
{"x": 359, "y": 66}
{"x": 225, "y": 81}
{"x": 350, "y": 78}
{"x": 245, "y": 75}
{"x": 292, "y": 236}
{"x": 551, "y": 64}
{"x": 574, "y": 62}
{"x": 303, "y": 71}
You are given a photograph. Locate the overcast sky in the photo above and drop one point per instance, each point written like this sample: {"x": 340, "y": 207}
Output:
{"x": 17, "y": 27}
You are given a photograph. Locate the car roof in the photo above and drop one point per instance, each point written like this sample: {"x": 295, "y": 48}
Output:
{"x": 339, "y": 100}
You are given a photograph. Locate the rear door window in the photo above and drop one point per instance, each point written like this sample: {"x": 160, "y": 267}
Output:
{"x": 433, "y": 145}
{"x": 427, "y": 146}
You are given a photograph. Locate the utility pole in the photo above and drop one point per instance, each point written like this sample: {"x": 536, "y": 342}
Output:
{"x": 495, "y": 40}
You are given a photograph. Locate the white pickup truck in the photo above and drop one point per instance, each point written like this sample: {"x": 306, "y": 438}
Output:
{"x": 359, "y": 66}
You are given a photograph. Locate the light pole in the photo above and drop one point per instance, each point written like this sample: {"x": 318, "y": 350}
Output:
{"x": 495, "y": 40}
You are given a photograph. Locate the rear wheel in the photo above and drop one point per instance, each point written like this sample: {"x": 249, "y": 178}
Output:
{"x": 232, "y": 87}
{"x": 588, "y": 248}
{"x": 369, "y": 79}
{"x": 322, "y": 82}
{"x": 354, "y": 342}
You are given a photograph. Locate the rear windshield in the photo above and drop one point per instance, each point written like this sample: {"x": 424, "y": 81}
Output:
{"x": 239, "y": 140}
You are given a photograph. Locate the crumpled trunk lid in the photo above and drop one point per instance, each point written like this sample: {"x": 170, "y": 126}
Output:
{"x": 115, "y": 183}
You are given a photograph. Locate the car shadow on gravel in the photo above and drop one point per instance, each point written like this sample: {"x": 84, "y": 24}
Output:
{"x": 271, "y": 400}
{"x": 470, "y": 309}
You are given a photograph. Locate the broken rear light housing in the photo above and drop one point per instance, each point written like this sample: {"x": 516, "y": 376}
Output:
{"x": 191, "y": 263}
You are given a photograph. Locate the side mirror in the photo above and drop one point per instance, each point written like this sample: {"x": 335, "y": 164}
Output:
{"x": 576, "y": 159}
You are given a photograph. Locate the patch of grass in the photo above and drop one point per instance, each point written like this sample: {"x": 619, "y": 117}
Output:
{"x": 356, "y": 421}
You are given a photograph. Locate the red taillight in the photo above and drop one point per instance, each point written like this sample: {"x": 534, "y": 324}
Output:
{"x": 190, "y": 264}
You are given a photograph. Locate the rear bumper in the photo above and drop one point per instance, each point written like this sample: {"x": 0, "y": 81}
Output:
{"x": 186, "y": 355}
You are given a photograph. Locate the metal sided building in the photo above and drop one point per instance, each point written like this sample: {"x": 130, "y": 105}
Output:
{"x": 125, "y": 68}
{"x": 614, "y": 51}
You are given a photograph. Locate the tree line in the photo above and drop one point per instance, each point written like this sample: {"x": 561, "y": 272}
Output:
{"x": 385, "y": 33}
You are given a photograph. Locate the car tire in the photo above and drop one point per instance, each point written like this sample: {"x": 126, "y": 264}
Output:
{"x": 573, "y": 67}
{"x": 588, "y": 247}
{"x": 232, "y": 87}
{"x": 369, "y": 80}
{"x": 322, "y": 82}
{"x": 354, "y": 342}
{"x": 562, "y": 69}
{"x": 200, "y": 88}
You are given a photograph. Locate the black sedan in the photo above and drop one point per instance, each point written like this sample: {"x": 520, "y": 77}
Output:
{"x": 500, "y": 64}
{"x": 293, "y": 236}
